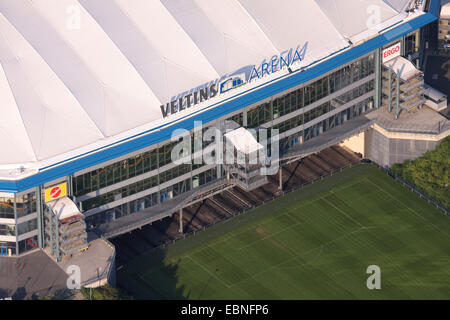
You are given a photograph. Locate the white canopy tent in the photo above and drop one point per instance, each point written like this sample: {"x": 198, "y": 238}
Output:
{"x": 64, "y": 208}
{"x": 243, "y": 141}
{"x": 403, "y": 67}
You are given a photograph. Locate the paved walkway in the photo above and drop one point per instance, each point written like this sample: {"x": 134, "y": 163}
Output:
{"x": 36, "y": 274}
{"x": 32, "y": 275}
{"x": 95, "y": 263}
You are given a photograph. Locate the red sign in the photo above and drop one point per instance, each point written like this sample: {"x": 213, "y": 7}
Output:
{"x": 391, "y": 52}
{"x": 55, "y": 192}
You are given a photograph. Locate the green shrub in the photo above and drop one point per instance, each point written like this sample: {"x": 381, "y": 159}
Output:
{"x": 104, "y": 293}
{"x": 430, "y": 173}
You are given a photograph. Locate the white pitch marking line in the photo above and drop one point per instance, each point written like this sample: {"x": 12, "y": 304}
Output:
{"x": 413, "y": 211}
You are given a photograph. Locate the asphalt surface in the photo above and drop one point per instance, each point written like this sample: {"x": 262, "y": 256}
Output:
{"x": 31, "y": 276}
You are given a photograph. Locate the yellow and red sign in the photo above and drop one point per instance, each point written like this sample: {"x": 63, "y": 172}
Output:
{"x": 56, "y": 192}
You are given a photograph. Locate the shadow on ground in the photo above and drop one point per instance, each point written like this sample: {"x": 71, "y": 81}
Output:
{"x": 437, "y": 73}
{"x": 31, "y": 276}
{"x": 134, "y": 252}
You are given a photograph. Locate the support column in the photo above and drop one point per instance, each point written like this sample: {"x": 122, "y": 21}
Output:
{"x": 40, "y": 217}
{"x": 244, "y": 118}
{"x": 390, "y": 91}
{"x": 280, "y": 187}
{"x": 417, "y": 48}
{"x": 159, "y": 186}
{"x": 181, "y": 221}
{"x": 403, "y": 48}
{"x": 16, "y": 228}
{"x": 191, "y": 164}
{"x": 58, "y": 251}
{"x": 219, "y": 143}
{"x": 50, "y": 219}
{"x": 378, "y": 71}
{"x": 417, "y": 42}
{"x": 397, "y": 111}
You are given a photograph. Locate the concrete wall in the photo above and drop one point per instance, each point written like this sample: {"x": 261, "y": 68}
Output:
{"x": 387, "y": 150}
{"x": 401, "y": 150}
{"x": 376, "y": 147}
{"x": 356, "y": 143}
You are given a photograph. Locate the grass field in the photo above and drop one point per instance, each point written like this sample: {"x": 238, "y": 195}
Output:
{"x": 314, "y": 243}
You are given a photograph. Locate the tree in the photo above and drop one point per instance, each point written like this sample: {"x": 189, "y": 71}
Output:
{"x": 104, "y": 293}
{"x": 430, "y": 172}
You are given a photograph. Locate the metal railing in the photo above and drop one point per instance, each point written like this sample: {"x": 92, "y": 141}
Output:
{"x": 295, "y": 188}
{"x": 275, "y": 196}
{"x": 183, "y": 201}
{"x": 105, "y": 274}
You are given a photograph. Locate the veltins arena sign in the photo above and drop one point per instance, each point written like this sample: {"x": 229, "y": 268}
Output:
{"x": 234, "y": 80}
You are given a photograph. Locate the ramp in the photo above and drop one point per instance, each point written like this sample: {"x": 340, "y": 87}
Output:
{"x": 329, "y": 138}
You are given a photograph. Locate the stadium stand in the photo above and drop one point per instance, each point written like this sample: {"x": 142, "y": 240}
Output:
{"x": 221, "y": 206}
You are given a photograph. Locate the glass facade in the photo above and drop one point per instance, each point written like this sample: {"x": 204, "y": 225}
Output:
{"x": 8, "y": 230}
{"x": 411, "y": 45}
{"x": 320, "y": 89}
{"x": 24, "y": 204}
{"x": 122, "y": 198}
{"x": 262, "y": 114}
{"x": 299, "y": 115}
{"x": 7, "y": 207}
{"x": 27, "y": 226}
{"x": 117, "y": 172}
{"x": 28, "y": 244}
{"x": 135, "y": 187}
{"x": 147, "y": 201}
{"x": 259, "y": 115}
{"x": 238, "y": 118}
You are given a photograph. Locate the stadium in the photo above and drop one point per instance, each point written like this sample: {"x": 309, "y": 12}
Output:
{"x": 97, "y": 95}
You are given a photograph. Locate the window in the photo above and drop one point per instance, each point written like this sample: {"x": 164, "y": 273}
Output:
{"x": 259, "y": 115}
{"x": 26, "y": 204}
{"x": 102, "y": 177}
{"x": 238, "y": 118}
{"x": 27, "y": 226}
{"x": 115, "y": 173}
{"x": 7, "y": 208}
{"x": 28, "y": 244}
{"x": 410, "y": 44}
{"x": 136, "y": 187}
{"x": 109, "y": 175}
{"x": 7, "y": 230}
{"x": 94, "y": 180}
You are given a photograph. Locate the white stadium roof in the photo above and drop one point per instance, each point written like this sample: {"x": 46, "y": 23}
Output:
{"x": 445, "y": 9}
{"x": 77, "y": 75}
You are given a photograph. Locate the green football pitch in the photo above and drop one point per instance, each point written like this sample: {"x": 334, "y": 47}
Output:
{"x": 314, "y": 243}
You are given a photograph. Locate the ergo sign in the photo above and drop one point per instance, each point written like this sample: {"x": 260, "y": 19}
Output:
{"x": 392, "y": 52}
